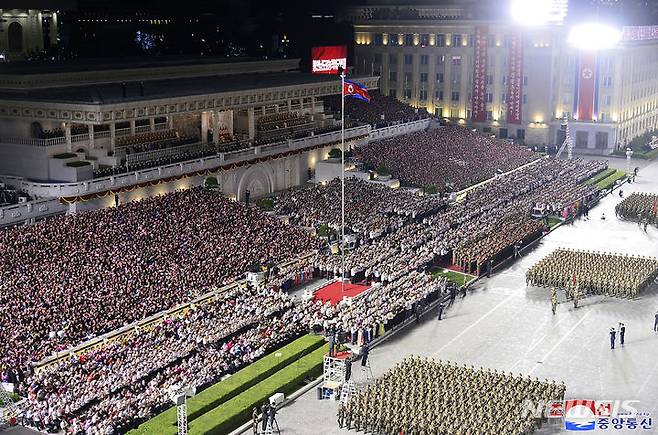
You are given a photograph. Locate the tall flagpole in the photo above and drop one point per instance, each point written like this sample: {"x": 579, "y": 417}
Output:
{"x": 342, "y": 180}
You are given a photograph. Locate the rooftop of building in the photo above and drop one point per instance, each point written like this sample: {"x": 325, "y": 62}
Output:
{"x": 112, "y": 92}
{"x": 110, "y": 63}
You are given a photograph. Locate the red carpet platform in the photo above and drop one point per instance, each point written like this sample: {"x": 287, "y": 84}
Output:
{"x": 342, "y": 355}
{"x": 333, "y": 293}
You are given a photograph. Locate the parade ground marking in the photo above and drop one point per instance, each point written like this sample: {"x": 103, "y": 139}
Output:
{"x": 473, "y": 324}
{"x": 559, "y": 342}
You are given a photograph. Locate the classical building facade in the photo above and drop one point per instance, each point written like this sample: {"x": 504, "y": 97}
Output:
{"x": 61, "y": 126}
{"x": 511, "y": 81}
{"x": 79, "y": 136}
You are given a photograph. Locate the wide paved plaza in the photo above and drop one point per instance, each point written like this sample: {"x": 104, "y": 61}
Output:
{"x": 503, "y": 324}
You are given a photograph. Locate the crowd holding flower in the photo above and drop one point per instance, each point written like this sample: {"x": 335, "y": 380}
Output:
{"x": 71, "y": 278}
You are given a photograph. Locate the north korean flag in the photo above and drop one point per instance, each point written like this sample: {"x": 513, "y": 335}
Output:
{"x": 356, "y": 90}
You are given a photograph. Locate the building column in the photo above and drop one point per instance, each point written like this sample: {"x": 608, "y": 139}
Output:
{"x": 313, "y": 109}
{"x": 215, "y": 127}
{"x": 229, "y": 123}
{"x": 91, "y": 136}
{"x": 204, "y": 127}
{"x": 67, "y": 134}
{"x": 251, "y": 123}
{"x": 53, "y": 29}
{"x": 170, "y": 121}
{"x": 132, "y": 127}
{"x": 113, "y": 135}
{"x": 152, "y": 123}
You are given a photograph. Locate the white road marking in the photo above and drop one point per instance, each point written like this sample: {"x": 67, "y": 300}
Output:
{"x": 473, "y": 324}
{"x": 559, "y": 342}
{"x": 536, "y": 343}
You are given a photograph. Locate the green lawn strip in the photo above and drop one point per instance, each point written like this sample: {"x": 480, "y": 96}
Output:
{"x": 553, "y": 220}
{"x": 211, "y": 397}
{"x": 600, "y": 176}
{"x": 458, "y": 278}
{"x": 609, "y": 181}
{"x": 233, "y": 413}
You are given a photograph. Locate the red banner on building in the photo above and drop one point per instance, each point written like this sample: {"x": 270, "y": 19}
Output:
{"x": 586, "y": 85}
{"x": 326, "y": 60}
{"x": 478, "y": 97}
{"x": 515, "y": 79}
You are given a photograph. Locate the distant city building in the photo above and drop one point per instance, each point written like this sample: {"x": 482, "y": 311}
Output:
{"x": 511, "y": 81}
{"x": 25, "y": 31}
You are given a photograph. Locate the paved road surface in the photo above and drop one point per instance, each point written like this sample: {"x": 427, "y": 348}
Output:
{"x": 502, "y": 324}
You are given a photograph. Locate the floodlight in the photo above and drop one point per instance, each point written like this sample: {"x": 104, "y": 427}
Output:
{"x": 594, "y": 36}
{"x": 532, "y": 12}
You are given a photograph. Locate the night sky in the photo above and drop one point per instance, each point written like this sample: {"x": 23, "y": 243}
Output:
{"x": 231, "y": 28}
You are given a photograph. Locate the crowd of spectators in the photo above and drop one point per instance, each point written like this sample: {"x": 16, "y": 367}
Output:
{"x": 281, "y": 120}
{"x": 448, "y": 158}
{"x": 59, "y": 132}
{"x": 370, "y": 209}
{"x": 183, "y": 155}
{"x": 155, "y": 140}
{"x": 487, "y": 223}
{"x": 125, "y": 381}
{"x": 380, "y": 111}
{"x": 73, "y": 277}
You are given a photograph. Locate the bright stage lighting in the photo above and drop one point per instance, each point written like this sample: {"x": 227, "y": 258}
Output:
{"x": 532, "y": 12}
{"x": 594, "y": 36}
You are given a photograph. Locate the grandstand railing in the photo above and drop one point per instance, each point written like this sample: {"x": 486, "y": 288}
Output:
{"x": 103, "y": 184}
{"x": 101, "y": 134}
{"x": 144, "y": 156}
{"x": 36, "y": 209}
{"x": 82, "y": 137}
{"x": 398, "y": 129}
{"x": 150, "y": 321}
{"x": 35, "y": 141}
{"x": 122, "y": 132}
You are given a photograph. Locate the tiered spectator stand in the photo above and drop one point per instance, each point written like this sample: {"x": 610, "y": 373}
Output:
{"x": 334, "y": 374}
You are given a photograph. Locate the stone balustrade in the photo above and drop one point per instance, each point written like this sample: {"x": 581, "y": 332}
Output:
{"x": 56, "y": 190}
{"x": 29, "y": 211}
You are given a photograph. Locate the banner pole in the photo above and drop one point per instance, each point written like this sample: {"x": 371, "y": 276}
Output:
{"x": 342, "y": 180}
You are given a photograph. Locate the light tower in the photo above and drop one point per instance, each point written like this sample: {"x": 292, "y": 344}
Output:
{"x": 568, "y": 142}
{"x": 179, "y": 396}
{"x": 10, "y": 409}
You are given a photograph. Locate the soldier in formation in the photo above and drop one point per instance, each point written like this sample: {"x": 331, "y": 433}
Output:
{"x": 426, "y": 397}
{"x": 638, "y": 206}
{"x": 598, "y": 273}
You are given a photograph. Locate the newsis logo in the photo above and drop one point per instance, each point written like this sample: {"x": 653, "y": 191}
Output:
{"x": 579, "y": 415}
{"x": 586, "y": 415}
